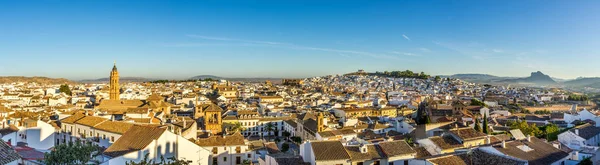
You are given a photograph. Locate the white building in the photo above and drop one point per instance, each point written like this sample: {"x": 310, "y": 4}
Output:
{"x": 580, "y": 137}
{"x": 156, "y": 143}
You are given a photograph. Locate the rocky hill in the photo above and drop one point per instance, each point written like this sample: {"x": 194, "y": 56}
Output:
{"x": 39, "y": 80}
{"x": 537, "y": 78}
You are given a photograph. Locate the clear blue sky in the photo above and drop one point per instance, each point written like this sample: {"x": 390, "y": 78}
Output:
{"x": 181, "y": 39}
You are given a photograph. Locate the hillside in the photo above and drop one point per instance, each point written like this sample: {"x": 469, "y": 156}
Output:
{"x": 205, "y": 77}
{"x": 583, "y": 82}
{"x": 39, "y": 80}
{"x": 477, "y": 78}
{"x": 537, "y": 78}
{"x": 121, "y": 79}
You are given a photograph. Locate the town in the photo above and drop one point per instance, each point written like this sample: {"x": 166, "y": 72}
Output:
{"x": 358, "y": 118}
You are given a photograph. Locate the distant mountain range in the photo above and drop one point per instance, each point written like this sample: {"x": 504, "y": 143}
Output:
{"x": 535, "y": 79}
{"x": 273, "y": 80}
{"x": 592, "y": 82}
{"x": 121, "y": 79}
{"x": 142, "y": 79}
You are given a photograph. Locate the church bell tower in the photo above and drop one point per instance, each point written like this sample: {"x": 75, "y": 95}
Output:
{"x": 114, "y": 83}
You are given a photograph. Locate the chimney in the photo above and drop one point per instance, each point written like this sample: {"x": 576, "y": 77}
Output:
{"x": 529, "y": 138}
{"x": 503, "y": 144}
{"x": 487, "y": 140}
{"x": 184, "y": 122}
{"x": 577, "y": 132}
{"x": 363, "y": 148}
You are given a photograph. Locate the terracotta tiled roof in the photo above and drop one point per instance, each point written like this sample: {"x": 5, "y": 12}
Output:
{"x": 233, "y": 140}
{"x": 329, "y": 150}
{"x": 134, "y": 139}
{"x": 91, "y": 121}
{"x": 468, "y": 134}
{"x": 10, "y": 129}
{"x": 7, "y": 153}
{"x": 396, "y": 148}
{"x": 541, "y": 153}
{"x": 73, "y": 118}
{"x": 272, "y": 148}
{"x": 373, "y": 153}
{"x": 114, "y": 126}
{"x": 587, "y": 131}
{"x": 422, "y": 152}
{"x": 445, "y": 142}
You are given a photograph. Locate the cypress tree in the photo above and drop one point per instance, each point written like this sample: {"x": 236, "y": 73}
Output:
{"x": 485, "y": 124}
{"x": 477, "y": 126}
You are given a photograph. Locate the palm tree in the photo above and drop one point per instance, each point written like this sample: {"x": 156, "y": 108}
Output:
{"x": 269, "y": 128}
{"x": 237, "y": 127}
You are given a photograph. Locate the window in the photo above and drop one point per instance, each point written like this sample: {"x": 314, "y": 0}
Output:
{"x": 225, "y": 159}
{"x": 238, "y": 150}
{"x": 249, "y": 155}
{"x": 112, "y": 139}
{"x": 215, "y": 161}
{"x": 238, "y": 160}
{"x": 215, "y": 150}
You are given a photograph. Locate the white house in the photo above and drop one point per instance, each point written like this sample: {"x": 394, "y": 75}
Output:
{"x": 580, "y": 137}
{"x": 228, "y": 150}
{"x": 36, "y": 134}
{"x": 155, "y": 142}
{"x": 581, "y": 116}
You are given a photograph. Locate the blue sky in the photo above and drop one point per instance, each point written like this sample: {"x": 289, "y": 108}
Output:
{"x": 181, "y": 39}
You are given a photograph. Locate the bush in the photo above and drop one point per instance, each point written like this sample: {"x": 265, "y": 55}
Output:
{"x": 285, "y": 147}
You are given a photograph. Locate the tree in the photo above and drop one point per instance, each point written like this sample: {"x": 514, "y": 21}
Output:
{"x": 476, "y": 125}
{"x": 526, "y": 128}
{"x": 297, "y": 139}
{"x": 71, "y": 153}
{"x": 485, "y": 124}
{"x": 552, "y": 132}
{"x": 65, "y": 89}
{"x": 438, "y": 78}
{"x": 269, "y": 128}
{"x": 285, "y": 147}
{"x": 586, "y": 161}
{"x": 237, "y": 127}
{"x": 287, "y": 135}
{"x": 477, "y": 102}
{"x": 169, "y": 161}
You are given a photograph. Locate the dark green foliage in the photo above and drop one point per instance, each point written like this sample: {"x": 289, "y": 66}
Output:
{"x": 71, "y": 153}
{"x": 169, "y": 161}
{"x": 485, "y": 124}
{"x": 65, "y": 89}
{"x": 542, "y": 112}
{"x": 477, "y": 102}
{"x": 527, "y": 129}
{"x": 586, "y": 161}
{"x": 552, "y": 132}
{"x": 574, "y": 97}
{"x": 403, "y": 74}
{"x": 297, "y": 139}
{"x": 285, "y": 147}
{"x": 422, "y": 117}
{"x": 286, "y": 134}
{"x": 477, "y": 127}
